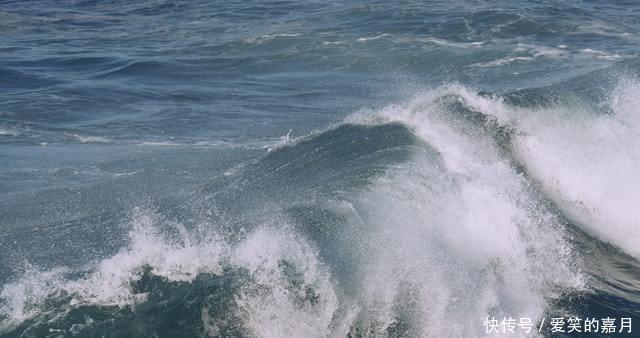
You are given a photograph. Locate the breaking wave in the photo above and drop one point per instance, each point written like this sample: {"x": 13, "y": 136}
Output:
{"x": 453, "y": 205}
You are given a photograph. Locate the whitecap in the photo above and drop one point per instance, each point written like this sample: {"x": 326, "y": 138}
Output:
{"x": 91, "y": 139}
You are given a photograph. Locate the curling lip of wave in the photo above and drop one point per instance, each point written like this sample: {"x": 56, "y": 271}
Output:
{"x": 561, "y": 147}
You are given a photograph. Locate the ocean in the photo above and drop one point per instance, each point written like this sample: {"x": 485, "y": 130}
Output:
{"x": 319, "y": 168}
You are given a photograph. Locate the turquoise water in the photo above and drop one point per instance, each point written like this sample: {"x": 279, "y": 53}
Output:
{"x": 300, "y": 169}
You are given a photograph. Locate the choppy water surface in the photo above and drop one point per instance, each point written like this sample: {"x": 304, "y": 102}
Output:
{"x": 329, "y": 169}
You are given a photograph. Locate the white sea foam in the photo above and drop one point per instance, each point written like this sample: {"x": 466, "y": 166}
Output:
{"x": 159, "y": 143}
{"x": 586, "y": 161}
{"x": 501, "y": 62}
{"x": 544, "y": 51}
{"x": 91, "y": 139}
{"x": 23, "y": 300}
{"x": 284, "y": 140}
{"x": 465, "y": 239}
{"x": 125, "y": 174}
{"x": 374, "y": 37}
{"x": 332, "y": 42}
{"x": 9, "y": 132}
{"x": 109, "y": 283}
{"x": 268, "y": 304}
{"x": 589, "y": 163}
{"x": 275, "y": 313}
{"x": 601, "y": 54}
{"x": 267, "y": 37}
{"x": 448, "y": 43}
{"x": 526, "y": 53}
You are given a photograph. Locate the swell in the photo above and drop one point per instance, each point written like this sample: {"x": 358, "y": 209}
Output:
{"x": 588, "y": 91}
{"x": 150, "y": 69}
{"x": 19, "y": 80}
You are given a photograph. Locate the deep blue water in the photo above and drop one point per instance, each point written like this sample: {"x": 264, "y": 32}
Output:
{"x": 302, "y": 168}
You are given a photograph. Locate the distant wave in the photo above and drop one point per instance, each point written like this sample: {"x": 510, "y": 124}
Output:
{"x": 9, "y": 132}
{"x": 13, "y": 79}
{"x": 92, "y": 139}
